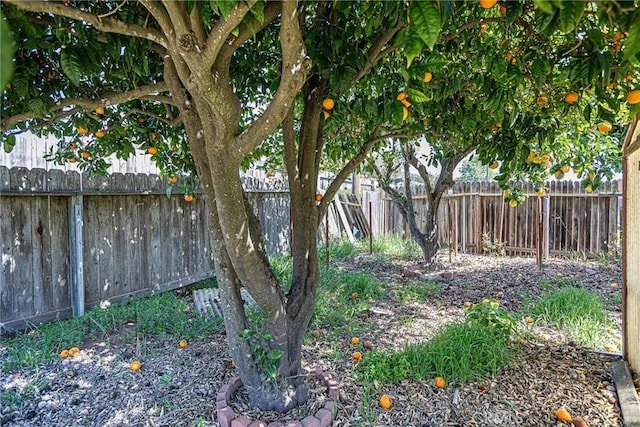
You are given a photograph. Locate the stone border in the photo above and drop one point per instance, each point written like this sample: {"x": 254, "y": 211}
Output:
{"x": 323, "y": 418}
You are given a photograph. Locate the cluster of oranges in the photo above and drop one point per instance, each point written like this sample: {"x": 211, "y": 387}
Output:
{"x": 402, "y": 97}
{"x": 72, "y": 352}
{"x": 327, "y": 105}
{"x": 357, "y": 355}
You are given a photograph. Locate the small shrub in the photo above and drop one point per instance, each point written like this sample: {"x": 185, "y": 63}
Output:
{"x": 489, "y": 315}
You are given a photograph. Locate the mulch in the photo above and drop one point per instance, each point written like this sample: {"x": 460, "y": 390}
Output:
{"x": 177, "y": 387}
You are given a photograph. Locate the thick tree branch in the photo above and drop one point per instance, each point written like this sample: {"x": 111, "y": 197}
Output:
{"x": 351, "y": 165}
{"x": 295, "y": 67}
{"x": 378, "y": 50}
{"x": 221, "y": 31}
{"x": 149, "y": 92}
{"x": 106, "y": 24}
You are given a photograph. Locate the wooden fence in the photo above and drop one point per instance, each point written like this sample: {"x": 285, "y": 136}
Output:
{"x": 68, "y": 242}
{"x": 473, "y": 217}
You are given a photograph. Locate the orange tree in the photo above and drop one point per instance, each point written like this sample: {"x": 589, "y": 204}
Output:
{"x": 534, "y": 91}
{"x": 203, "y": 85}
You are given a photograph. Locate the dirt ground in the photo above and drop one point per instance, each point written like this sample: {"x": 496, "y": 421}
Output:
{"x": 177, "y": 387}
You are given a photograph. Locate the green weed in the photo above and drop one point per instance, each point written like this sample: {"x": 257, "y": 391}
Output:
{"x": 578, "y": 312}
{"x": 460, "y": 352}
{"x": 162, "y": 314}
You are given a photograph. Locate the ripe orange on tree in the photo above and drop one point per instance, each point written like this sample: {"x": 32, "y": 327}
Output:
{"x": 487, "y": 4}
{"x": 503, "y": 9}
{"x": 100, "y": 110}
{"x": 571, "y": 98}
{"x": 86, "y": 154}
{"x": 326, "y": 114}
{"x": 100, "y": 134}
{"x": 173, "y": 179}
{"x": 385, "y": 401}
{"x": 82, "y": 131}
{"x": 72, "y": 160}
{"x": 633, "y": 97}
{"x": 328, "y": 104}
{"x": 427, "y": 77}
{"x": 318, "y": 197}
{"x": 604, "y": 127}
{"x": 188, "y": 198}
{"x": 152, "y": 150}
{"x": 542, "y": 100}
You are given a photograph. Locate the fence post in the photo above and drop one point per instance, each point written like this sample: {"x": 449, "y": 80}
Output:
{"x": 76, "y": 261}
{"x": 545, "y": 227}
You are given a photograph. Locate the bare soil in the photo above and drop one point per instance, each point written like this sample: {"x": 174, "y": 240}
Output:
{"x": 177, "y": 387}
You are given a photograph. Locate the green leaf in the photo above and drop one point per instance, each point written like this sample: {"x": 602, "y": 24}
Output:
{"x": 540, "y": 69}
{"x": 513, "y": 11}
{"x": 71, "y": 65}
{"x": 275, "y": 354}
{"x": 258, "y": 12}
{"x": 37, "y": 106}
{"x": 188, "y": 5}
{"x": 632, "y": 44}
{"x": 6, "y": 53}
{"x": 570, "y": 15}
{"x": 412, "y": 47}
{"x": 246, "y": 334}
{"x": 417, "y": 96}
{"x": 426, "y": 21}
{"x": 8, "y": 143}
{"x": 272, "y": 371}
{"x": 225, "y": 6}
{"x": 544, "y": 5}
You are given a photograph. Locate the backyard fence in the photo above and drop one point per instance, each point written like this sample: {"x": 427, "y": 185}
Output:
{"x": 70, "y": 242}
{"x": 473, "y": 218}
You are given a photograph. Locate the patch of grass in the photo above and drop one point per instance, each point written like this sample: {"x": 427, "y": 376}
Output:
{"x": 578, "y": 312}
{"x": 418, "y": 291}
{"x": 15, "y": 396}
{"x": 282, "y": 267}
{"x": 460, "y": 352}
{"x": 386, "y": 248}
{"x": 160, "y": 314}
{"x": 336, "y": 303}
{"x": 556, "y": 283}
